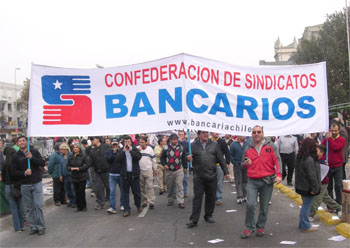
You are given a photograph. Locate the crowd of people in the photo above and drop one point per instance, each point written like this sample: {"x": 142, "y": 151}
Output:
{"x": 109, "y": 164}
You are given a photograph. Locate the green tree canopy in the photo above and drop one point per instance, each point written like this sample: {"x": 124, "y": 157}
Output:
{"x": 24, "y": 99}
{"x": 330, "y": 46}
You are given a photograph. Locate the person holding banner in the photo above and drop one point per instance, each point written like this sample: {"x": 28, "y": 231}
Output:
{"x": 336, "y": 144}
{"x": 31, "y": 184}
{"x": 323, "y": 195}
{"x": 343, "y": 133}
{"x": 205, "y": 155}
{"x": 263, "y": 165}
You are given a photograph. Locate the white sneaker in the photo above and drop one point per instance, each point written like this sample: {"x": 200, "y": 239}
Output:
{"x": 270, "y": 202}
{"x": 311, "y": 219}
{"x": 121, "y": 208}
{"x": 111, "y": 211}
{"x": 92, "y": 194}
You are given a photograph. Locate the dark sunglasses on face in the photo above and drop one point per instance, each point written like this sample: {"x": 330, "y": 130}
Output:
{"x": 256, "y": 132}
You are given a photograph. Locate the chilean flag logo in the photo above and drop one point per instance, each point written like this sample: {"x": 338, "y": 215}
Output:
{"x": 66, "y": 100}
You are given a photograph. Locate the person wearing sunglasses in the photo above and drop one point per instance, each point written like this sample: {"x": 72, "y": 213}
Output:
{"x": 263, "y": 165}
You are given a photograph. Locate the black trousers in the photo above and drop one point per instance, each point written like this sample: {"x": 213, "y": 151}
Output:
{"x": 79, "y": 188}
{"x": 335, "y": 176}
{"x": 288, "y": 161}
{"x": 200, "y": 187}
{"x": 134, "y": 184}
{"x": 59, "y": 194}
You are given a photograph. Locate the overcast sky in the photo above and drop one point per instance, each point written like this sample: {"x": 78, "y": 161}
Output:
{"x": 82, "y": 33}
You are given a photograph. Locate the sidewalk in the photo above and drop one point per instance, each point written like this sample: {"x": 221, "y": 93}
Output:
{"x": 6, "y": 220}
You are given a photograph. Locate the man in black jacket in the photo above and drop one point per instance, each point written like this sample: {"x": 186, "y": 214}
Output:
{"x": 31, "y": 185}
{"x": 205, "y": 155}
{"x": 101, "y": 168}
{"x": 129, "y": 157}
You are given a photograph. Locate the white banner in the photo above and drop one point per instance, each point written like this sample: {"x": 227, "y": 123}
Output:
{"x": 179, "y": 92}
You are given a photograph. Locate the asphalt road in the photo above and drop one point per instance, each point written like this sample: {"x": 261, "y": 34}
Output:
{"x": 165, "y": 226}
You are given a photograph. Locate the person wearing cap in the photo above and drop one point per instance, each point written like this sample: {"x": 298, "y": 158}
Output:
{"x": 114, "y": 177}
{"x": 101, "y": 168}
{"x": 67, "y": 175}
{"x": 78, "y": 165}
{"x": 205, "y": 155}
{"x": 173, "y": 159}
{"x": 55, "y": 170}
{"x": 129, "y": 157}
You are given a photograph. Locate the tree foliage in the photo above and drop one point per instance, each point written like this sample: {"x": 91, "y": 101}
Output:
{"x": 330, "y": 46}
{"x": 24, "y": 99}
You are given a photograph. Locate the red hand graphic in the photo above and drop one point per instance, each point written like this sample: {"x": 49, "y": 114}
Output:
{"x": 78, "y": 113}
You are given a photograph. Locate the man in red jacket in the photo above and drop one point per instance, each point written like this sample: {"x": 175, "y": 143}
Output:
{"x": 336, "y": 144}
{"x": 263, "y": 165}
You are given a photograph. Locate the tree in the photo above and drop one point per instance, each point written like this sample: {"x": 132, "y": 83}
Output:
{"x": 24, "y": 99}
{"x": 330, "y": 46}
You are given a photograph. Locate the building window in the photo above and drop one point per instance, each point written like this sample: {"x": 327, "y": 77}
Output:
{"x": 9, "y": 107}
{"x": 18, "y": 107}
{"x": 9, "y": 119}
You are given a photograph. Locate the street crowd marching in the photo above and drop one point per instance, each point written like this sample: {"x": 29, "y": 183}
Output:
{"x": 108, "y": 164}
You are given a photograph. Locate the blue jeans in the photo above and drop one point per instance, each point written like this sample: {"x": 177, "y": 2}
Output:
{"x": 88, "y": 180}
{"x": 304, "y": 222}
{"x": 219, "y": 177}
{"x": 33, "y": 202}
{"x": 257, "y": 187}
{"x": 113, "y": 182}
{"x": 69, "y": 188}
{"x": 16, "y": 209}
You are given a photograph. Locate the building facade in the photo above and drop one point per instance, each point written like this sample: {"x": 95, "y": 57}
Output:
{"x": 283, "y": 54}
{"x": 13, "y": 114}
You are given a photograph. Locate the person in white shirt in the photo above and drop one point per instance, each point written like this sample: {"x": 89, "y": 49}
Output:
{"x": 288, "y": 148}
{"x": 148, "y": 168}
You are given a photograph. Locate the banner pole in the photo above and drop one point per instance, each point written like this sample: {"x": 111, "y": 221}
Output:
{"x": 189, "y": 144}
{"x": 28, "y": 149}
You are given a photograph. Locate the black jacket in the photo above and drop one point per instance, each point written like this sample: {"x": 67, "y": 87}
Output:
{"x": 7, "y": 178}
{"x": 79, "y": 161}
{"x": 307, "y": 176}
{"x": 204, "y": 160}
{"x": 98, "y": 159}
{"x": 135, "y": 157}
{"x": 224, "y": 149}
{"x": 114, "y": 165}
{"x": 20, "y": 165}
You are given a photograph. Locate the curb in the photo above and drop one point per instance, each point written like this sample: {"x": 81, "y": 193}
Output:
{"x": 327, "y": 218}
{"x": 6, "y": 220}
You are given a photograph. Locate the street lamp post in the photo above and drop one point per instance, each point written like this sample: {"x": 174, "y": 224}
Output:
{"x": 15, "y": 100}
{"x": 347, "y": 32}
